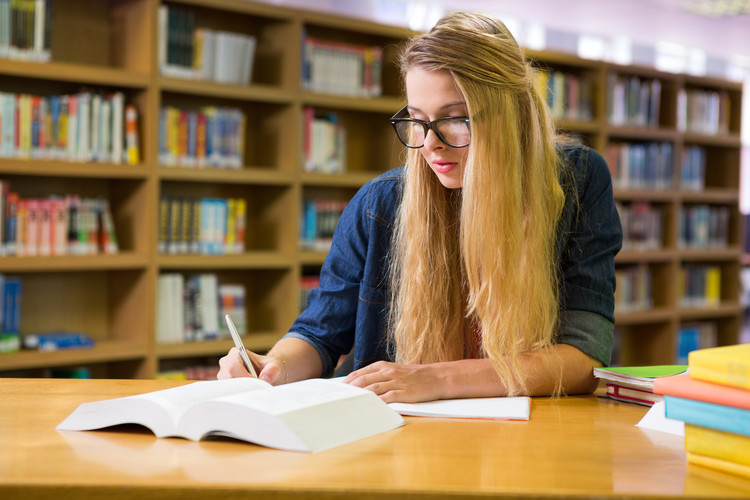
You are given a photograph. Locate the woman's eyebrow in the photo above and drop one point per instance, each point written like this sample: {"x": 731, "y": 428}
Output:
{"x": 442, "y": 108}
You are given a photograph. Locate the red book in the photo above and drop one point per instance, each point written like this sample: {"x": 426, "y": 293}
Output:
{"x": 683, "y": 386}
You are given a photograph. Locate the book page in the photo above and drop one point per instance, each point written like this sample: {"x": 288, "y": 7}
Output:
{"x": 503, "y": 408}
{"x": 292, "y": 397}
{"x": 178, "y": 399}
{"x": 158, "y": 410}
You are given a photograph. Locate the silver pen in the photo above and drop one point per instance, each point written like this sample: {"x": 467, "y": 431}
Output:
{"x": 240, "y": 346}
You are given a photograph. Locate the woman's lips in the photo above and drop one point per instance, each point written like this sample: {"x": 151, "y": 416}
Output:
{"x": 444, "y": 167}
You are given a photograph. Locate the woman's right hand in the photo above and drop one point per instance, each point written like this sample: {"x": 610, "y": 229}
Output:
{"x": 269, "y": 368}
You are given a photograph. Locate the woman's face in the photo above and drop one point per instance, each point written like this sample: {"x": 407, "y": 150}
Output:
{"x": 432, "y": 95}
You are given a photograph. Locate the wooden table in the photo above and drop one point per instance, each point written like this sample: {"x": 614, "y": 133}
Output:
{"x": 571, "y": 447}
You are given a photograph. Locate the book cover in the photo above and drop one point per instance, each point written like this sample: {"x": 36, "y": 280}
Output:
{"x": 719, "y": 417}
{"x": 632, "y": 394}
{"x": 728, "y": 365}
{"x": 310, "y": 416}
{"x": 641, "y": 377}
{"x": 685, "y": 386}
{"x": 719, "y": 464}
{"x": 717, "y": 444}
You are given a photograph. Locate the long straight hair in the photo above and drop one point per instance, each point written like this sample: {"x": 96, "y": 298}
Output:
{"x": 479, "y": 262}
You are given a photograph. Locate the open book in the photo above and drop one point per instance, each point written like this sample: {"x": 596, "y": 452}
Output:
{"x": 311, "y": 415}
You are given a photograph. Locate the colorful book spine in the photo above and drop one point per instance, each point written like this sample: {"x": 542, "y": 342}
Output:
{"x": 212, "y": 137}
{"x": 730, "y": 467}
{"x": 713, "y": 416}
{"x": 687, "y": 387}
{"x": 209, "y": 226}
{"x": 341, "y": 68}
{"x": 717, "y": 444}
{"x": 83, "y": 127}
{"x": 56, "y": 226}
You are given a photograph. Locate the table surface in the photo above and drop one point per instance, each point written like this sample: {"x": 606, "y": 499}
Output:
{"x": 583, "y": 446}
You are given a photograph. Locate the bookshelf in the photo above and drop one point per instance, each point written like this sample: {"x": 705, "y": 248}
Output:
{"x": 114, "y": 45}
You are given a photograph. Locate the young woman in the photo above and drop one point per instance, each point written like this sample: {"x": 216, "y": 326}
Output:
{"x": 485, "y": 266}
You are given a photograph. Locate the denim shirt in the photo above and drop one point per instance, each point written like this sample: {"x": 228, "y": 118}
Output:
{"x": 348, "y": 309}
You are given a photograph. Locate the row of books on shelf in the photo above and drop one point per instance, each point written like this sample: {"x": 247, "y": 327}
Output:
{"x": 694, "y": 336}
{"x": 568, "y": 95}
{"x": 713, "y": 401}
{"x": 10, "y": 314}
{"x": 633, "y": 290}
{"x": 699, "y": 285}
{"x": 83, "y": 127}
{"x": 58, "y": 225}
{"x": 188, "y": 51}
{"x": 210, "y": 137}
{"x": 318, "y": 222}
{"x": 642, "y": 225}
{"x": 190, "y": 308}
{"x": 703, "y": 111}
{"x": 341, "y": 68}
{"x": 693, "y": 171}
{"x": 704, "y": 226}
{"x": 633, "y": 101}
{"x": 641, "y": 165}
{"x": 324, "y": 139}
{"x": 206, "y": 226}
{"x": 25, "y": 29}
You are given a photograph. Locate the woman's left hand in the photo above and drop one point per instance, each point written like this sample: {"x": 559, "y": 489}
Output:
{"x": 395, "y": 382}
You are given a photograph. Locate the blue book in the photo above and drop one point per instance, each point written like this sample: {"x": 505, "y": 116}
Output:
{"x": 713, "y": 416}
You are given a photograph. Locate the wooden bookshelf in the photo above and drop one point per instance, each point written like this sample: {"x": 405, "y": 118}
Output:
{"x": 113, "y": 45}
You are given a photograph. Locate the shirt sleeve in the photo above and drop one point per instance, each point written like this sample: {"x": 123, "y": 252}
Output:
{"x": 593, "y": 236}
{"x": 328, "y": 321}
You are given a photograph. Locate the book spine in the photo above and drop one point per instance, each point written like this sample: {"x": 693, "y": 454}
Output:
{"x": 718, "y": 464}
{"x": 719, "y": 417}
{"x": 717, "y": 444}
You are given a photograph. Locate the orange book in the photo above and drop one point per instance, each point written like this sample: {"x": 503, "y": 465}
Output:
{"x": 684, "y": 386}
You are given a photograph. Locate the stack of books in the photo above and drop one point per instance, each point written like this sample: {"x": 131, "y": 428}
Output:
{"x": 635, "y": 384}
{"x": 713, "y": 399}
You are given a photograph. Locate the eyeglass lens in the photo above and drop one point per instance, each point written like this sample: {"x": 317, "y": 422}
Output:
{"x": 454, "y": 132}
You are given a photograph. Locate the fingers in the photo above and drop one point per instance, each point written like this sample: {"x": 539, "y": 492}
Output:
{"x": 231, "y": 365}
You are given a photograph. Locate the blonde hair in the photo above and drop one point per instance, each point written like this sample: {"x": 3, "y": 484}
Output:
{"x": 483, "y": 256}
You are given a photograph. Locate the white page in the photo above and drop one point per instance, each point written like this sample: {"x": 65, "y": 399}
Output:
{"x": 655, "y": 419}
{"x": 511, "y": 408}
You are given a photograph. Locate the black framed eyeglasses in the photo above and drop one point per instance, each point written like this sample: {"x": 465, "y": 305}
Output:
{"x": 452, "y": 130}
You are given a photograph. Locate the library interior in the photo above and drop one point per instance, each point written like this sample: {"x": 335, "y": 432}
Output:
{"x": 165, "y": 163}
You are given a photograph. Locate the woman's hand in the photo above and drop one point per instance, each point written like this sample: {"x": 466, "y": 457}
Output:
{"x": 269, "y": 368}
{"x": 399, "y": 383}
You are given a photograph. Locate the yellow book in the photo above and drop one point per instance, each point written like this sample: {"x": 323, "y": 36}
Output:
{"x": 728, "y": 365}
{"x": 717, "y": 444}
{"x": 719, "y": 464}
{"x": 713, "y": 286}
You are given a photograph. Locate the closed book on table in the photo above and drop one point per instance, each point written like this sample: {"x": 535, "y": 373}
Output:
{"x": 728, "y": 365}
{"x": 717, "y": 444}
{"x": 719, "y": 417}
{"x": 719, "y": 464}
{"x": 685, "y": 386}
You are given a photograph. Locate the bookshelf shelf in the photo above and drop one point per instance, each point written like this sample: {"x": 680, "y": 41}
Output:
{"x": 386, "y": 105}
{"x": 102, "y": 352}
{"x": 723, "y": 196}
{"x": 249, "y": 260}
{"x": 260, "y": 93}
{"x": 258, "y": 176}
{"x": 655, "y": 315}
{"x": 75, "y": 73}
{"x": 71, "y": 263}
{"x": 50, "y": 168}
{"x": 115, "y": 45}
